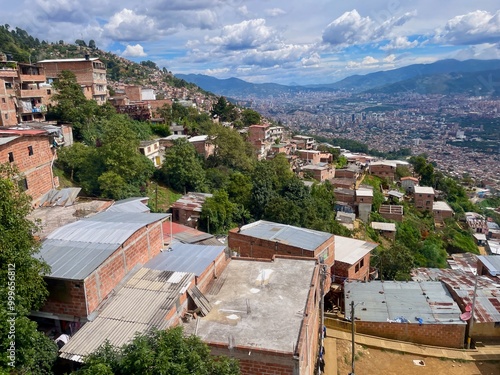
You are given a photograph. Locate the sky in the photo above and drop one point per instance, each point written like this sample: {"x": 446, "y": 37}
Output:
{"x": 280, "y": 41}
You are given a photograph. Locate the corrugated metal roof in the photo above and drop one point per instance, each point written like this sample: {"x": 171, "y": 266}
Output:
{"x": 130, "y": 205}
{"x": 441, "y": 206}
{"x": 75, "y": 250}
{"x": 487, "y": 308}
{"x": 492, "y": 263}
{"x": 307, "y": 239}
{"x": 396, "y": 194}
{"x": 390, "y": 300}
{"x": 143, "y": 303}
{"x": 64, "y": 197}
{"x": 391, "y": 227}
{"x": 350, "y": 250}
{"x": 186, "y": 258}
{"x": 5, "y": 140}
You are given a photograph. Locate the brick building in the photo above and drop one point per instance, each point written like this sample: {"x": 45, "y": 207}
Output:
{"x": 187, "y": 209}
{"x": 266, "y": 316}
{"x": 31, "y": 152}
{"x": 441, "y": 210}
{"x": 149, "y": 299}
{"x": 89, "y": 258}
{"x": 90, "y": 73}
{"x": 203, "y": 145}
{"x": 352, "y": 259}
{"x": 419, "y": 312}
{"x": 320, "y": 172}
{"x": 424, "y": 198}
{"x": 384, "y": 169}
{"x": 206, "y": 263}
{"x": 24, "y": 94}
{"x": 391, "y": 212}
{"x": 8, "y": 101}
{"x": 265, "y": 239}
{"x": 388, "y": 230}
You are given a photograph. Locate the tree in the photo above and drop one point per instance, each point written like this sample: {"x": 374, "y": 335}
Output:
{"x": 250, "y": 117}
{"x": 230, "y": 150}
{"x": 80, "y": 42}
{"x": 224, "y": 110}
{"x": 166, "y": 352}
{"x": 182, "y": 168}
{"x": 217, "y": 213}
{"x": 22, "y": 288}
{"x": 92, "y": 44}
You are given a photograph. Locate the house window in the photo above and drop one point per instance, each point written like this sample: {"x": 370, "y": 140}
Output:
{"x": 11, "y": 157}
{"x": 8, "y": 85}
{"x": 362, "y": 263}
{"x": 49, "y": 92}
{"x": 3, "y": 100}
{"x": 30, "y": 150}
{"x": 6, "y": 116}
{"x": 23, "y": 184}
{"x": 357, "y": 267}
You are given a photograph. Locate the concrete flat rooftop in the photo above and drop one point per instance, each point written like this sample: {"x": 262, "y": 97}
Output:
{"x": 257, "y": 304}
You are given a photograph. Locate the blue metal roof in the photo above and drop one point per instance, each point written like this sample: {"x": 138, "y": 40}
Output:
{"x": 75, "y": 250}
{"x": 185, "y": 258}
{"x": 307, "y": 239}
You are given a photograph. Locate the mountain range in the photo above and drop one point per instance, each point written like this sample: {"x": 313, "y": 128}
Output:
{"x": 471, "y": 77}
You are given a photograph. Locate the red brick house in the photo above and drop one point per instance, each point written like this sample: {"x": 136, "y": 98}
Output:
{"x": 266, "y": 316}
{"x": 265, "y": 239}
{"x": 31, "y": 152}
{"x": 424, "y": 198}
{"x": 187, "y": 209}
{"x": 90, "y": 73}
{"x": 352, "y": 259}
{"x": 89, "y": 258}
{"x": 384, "y": 169}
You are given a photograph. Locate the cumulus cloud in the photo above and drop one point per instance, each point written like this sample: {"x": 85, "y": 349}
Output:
{"x": 472, "y": 28}
{"x": 244, "y": 35}
{"x": 275, "y": 12}
{"x": 126, "y": 25}
{"x": 369, "y": 60}
{"x": 276, "y": 57}
{"x": 390, "y": 58}
{"x": 352, "y": 28}
{"x": 134, "y": 51}
{"x": 61, "y": 10}
{"x": 398, "y": 43}
{"x": 312, "y": 60}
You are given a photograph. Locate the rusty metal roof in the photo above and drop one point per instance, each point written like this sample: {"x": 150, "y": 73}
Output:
{"x": 487, "y": 307}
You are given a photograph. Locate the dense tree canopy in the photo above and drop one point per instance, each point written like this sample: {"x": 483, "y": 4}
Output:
{"x": 166, "y": 352}
{"x": 22, "y": 288}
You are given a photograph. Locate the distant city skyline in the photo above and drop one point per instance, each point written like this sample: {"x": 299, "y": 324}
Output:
{"x": 278, "y": 41}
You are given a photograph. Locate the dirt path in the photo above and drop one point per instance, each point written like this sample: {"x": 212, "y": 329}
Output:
{"x": 373, "y": 361}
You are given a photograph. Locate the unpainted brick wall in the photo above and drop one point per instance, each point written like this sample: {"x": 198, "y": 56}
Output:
{"x": 253, "y": 247}
{"x": 446, "y": 335}
{"x": 36, "y": 167}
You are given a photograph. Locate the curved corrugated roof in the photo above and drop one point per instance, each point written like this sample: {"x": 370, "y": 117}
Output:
{"x": 75, "y": 250}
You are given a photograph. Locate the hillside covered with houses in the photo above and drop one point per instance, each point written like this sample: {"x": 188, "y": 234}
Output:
{"x": 155, "y": 205}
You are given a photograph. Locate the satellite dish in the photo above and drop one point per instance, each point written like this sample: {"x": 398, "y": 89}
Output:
{"x": 465, "y": 316}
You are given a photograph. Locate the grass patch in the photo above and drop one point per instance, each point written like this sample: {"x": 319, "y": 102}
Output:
{"x": 64, "y": 182}
{"x": 161, "y": 197}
